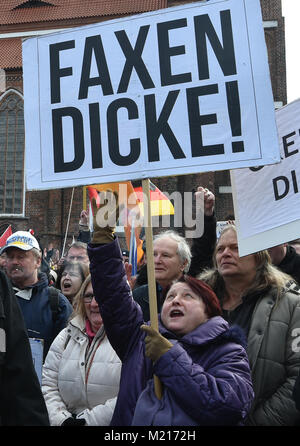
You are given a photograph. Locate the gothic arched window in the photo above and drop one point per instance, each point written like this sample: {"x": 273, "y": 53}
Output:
{"x": 11, "y": 153}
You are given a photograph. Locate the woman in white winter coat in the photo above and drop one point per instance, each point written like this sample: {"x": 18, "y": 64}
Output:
{"x": 81, "y": 372}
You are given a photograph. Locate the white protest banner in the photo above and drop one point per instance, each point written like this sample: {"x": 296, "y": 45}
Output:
{"x": 176, "y": 91}
{"x": 266, "y": 199}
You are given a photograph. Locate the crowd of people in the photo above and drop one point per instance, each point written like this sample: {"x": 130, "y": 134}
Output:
{"x": 224, "y": 352}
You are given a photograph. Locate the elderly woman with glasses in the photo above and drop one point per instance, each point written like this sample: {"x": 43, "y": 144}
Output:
{"x": 81, "y": 373}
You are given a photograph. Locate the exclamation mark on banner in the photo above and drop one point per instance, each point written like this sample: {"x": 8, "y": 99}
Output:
{"x": 234, "y": 110}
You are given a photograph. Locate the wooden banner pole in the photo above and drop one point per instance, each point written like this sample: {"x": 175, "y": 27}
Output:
{"x": 150, "y": 271}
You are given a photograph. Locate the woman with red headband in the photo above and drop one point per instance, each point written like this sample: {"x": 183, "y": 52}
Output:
{"x": 199, "y": 360}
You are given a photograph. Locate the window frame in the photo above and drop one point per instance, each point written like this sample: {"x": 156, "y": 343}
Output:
{"x": 13, "y": 91}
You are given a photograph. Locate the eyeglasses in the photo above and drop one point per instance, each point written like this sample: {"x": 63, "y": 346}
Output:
{"x": 70, "y": 273}
{"x": 87, "y": 298}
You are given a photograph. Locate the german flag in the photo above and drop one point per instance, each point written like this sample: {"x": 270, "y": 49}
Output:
{"x": 125, "y": 190}
{"x": 160, "y": 204}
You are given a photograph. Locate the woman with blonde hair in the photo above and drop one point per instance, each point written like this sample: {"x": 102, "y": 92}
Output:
{"x": 81, "y": 373}
{"x": 265, "y": 302}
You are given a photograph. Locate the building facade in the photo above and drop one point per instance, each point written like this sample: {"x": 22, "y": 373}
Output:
{"x": 48, "y": 212}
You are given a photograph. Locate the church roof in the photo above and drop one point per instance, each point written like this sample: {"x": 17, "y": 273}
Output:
{"x": 31, "y": 11}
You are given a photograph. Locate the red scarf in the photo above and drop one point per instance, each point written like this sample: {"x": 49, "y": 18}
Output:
{"x": 89, "y": 331}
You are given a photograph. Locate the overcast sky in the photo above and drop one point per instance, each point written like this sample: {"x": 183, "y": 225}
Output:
{"x": 291, "y": 12}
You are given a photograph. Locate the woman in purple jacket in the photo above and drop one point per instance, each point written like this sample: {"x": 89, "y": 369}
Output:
{"x": 199, "y": 360}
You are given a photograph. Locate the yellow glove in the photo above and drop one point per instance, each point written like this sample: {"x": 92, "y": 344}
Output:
{"x": 105, "y": 217}
{"x": 155, "y": 344}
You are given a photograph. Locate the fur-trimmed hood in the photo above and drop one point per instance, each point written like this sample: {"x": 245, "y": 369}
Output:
{"x": 235, "y": 334}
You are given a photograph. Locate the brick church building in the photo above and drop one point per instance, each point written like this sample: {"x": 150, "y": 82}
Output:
{"x": 47, "y": 211}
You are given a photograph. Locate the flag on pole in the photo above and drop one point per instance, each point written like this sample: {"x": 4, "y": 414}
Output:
{"x": 7, "y": 233}
{"x": 130, "y": 205}
{"x": 160, "y": 204}
{"x": 124, "y": 190}
{"x": 93, "y": 193}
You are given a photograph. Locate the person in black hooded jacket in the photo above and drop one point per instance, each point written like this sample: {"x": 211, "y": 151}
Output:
{"x": 21, "y": 399}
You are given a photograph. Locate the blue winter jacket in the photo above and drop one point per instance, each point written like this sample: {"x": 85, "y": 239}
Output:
{"x": 205, "y": 375}
{"x": 38, "y": 316}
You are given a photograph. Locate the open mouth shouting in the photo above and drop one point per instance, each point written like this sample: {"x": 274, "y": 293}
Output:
{"x": 67, "y": 285}
{"x": 176, "y": 313}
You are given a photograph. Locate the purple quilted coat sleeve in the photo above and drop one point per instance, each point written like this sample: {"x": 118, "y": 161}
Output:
{"x": 122, "y": 317}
